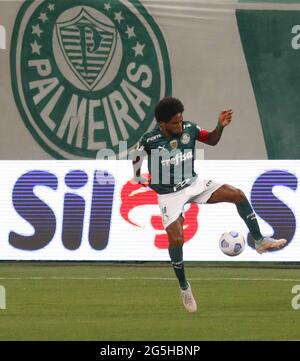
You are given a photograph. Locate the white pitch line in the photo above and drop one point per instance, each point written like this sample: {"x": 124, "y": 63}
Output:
{"x": 148, "y": 279}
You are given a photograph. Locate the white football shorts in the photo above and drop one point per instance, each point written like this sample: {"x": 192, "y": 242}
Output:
{"x": 172, "y": 204}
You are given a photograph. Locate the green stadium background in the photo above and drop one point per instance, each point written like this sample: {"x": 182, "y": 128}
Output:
{"x": 221, "y": 54}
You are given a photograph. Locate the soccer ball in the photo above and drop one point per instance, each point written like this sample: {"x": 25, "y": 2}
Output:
{"x": 232, "y": 243}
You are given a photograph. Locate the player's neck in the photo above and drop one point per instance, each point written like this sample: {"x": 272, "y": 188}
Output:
{"x": 165, "y": 132}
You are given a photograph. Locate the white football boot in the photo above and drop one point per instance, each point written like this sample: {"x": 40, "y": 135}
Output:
{"x": 268, "y": 244}
{"x": 188, "y": 299}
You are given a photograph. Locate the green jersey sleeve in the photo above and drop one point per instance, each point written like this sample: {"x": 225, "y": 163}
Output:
{"x": 142, "y": 145}
{"x": 198, "y": 133}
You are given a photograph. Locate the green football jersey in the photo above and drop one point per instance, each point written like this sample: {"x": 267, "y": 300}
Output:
{"x": 171, "y": 160}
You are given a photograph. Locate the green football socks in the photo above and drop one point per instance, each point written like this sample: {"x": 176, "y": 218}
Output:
{"x": 176, "y": 256}
{"x": 246, "y": 212}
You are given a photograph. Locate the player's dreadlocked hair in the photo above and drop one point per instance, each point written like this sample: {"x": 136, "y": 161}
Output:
{"x": 167, "y": 108}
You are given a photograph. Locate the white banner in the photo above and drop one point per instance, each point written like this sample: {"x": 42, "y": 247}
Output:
{"x": 89, "y": 210}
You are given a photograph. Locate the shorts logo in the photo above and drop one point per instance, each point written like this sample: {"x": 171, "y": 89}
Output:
{"x": 87, "y": 74}
{"x": 165, "y": 217}
{"x": 208, "y": 183}
{"x": 185, "y": 138}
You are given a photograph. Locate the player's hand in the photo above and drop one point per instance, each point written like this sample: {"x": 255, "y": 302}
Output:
{"x": 225, "y": 117}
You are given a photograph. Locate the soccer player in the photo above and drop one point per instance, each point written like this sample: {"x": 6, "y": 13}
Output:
{"x": 170, "y": 149}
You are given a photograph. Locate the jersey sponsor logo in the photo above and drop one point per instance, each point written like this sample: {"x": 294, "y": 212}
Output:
{"x": 178, "y": 158}
{"x": 185, "y": 138}
{"x": 86, "y": 74}
{"x": 155, "y": 137}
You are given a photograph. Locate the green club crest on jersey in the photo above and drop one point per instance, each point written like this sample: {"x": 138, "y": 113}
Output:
{"x": 185, "y": 138}
{"x": 87, "y": 74}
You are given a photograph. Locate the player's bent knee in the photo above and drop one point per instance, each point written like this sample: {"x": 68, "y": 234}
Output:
{"x": 176, "y": 242}
{"x": 239, "y": 196}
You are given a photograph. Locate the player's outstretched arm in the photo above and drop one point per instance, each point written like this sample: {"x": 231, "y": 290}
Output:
{"x": 224, "y": 119}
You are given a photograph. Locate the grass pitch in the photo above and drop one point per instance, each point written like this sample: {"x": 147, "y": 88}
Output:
{"x": 90, "y": 301}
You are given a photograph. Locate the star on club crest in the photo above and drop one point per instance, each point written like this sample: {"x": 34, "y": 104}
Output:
{"x": 36, "y": 30}
{"x": 43, "y": 17}
{"x": 139, "y": 49}
{"x": 35, "y": 48}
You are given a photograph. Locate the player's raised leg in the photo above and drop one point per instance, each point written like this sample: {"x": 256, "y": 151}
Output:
{"x": 176, "y": 240}
{"x": 227, "y": 193}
